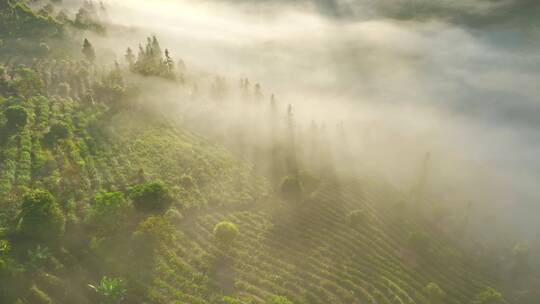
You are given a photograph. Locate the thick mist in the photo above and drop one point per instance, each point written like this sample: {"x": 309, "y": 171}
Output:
{"x": 455, "y": 79}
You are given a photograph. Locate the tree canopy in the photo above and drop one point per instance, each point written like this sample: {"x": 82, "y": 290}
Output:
{"x": 225, "y": 232}
{"x": 16, "y": 116}
{"x": 152, "y": 197}
{"x": 40, "y": 216}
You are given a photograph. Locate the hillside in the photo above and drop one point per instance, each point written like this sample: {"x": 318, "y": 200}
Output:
{"x": 105, "y": 198}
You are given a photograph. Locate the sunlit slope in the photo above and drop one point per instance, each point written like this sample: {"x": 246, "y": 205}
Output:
{"x": 312, "y": 255}
{"x": 74, "y": 150}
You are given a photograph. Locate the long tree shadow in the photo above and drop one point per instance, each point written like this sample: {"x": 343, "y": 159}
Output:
{"x": 222, "y": 272}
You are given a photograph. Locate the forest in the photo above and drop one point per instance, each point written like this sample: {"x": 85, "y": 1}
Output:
{"x": 128, "y": 175}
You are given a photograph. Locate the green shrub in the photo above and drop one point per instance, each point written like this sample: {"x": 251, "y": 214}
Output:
{"x": 16, "y": 115}
{"x": 58, "y": 131}
{"x": 4, "y": 250}
{"x": 109, "y": 212}
{"x": 187, "y": 182}
{"x": 489, "y": 296}
{"x": 27, "y": 82}
{"x": 155, "y": 229}
{"x": 110, "y": 290}
{"x": 225, "y": 232}
{"x": 173, "y": 215}
{"x": 4, "y": 247}
{"x": 151, "y": 197}
{"x": 40, "y": 216}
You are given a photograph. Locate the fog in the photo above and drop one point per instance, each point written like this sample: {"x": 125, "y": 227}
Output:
{"x": 457, "y": 79}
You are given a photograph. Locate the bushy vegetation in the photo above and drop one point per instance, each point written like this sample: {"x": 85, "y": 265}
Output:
{"x": 489, "y": 296}
{"x": 16, "y": 116}
{"x": 109, "y": 212}
{"x": 40, "y": 216}
{"x": 151, "y": 197}
{"x": 225, "y": 232}
{"x": 110, "y": 290}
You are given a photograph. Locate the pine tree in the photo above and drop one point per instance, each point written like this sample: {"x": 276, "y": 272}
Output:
{"x": 169, "y": 62}
{"x": 88, "y": 51}
{"x": 291, "y": 162}
{"x": 130, "y": 57}
{"x": 258, "y": 93}
{"x": 156, "y": 49}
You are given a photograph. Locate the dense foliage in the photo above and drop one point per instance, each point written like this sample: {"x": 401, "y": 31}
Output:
{"x": 40, "y": 216}
{"x": 151, "y": 197}
{"x": 225, "y": 232}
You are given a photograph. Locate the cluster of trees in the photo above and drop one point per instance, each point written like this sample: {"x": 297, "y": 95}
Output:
{"x": 151, "y": 60}
{"x": 90, "y": 15}
{"x": 111, "y": 220}
{"x": 17, "y": 19}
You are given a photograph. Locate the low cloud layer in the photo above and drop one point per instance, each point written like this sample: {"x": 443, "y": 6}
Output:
{"x": 457, "y": 78}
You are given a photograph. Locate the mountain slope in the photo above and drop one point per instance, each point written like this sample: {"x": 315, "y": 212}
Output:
{"x": 104, "y": 199}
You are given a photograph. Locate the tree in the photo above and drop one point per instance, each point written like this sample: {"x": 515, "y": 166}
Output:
{"x": 47, "y": 10}
{"x": 152, "y": 233}
{"x": 109, "y": 211}
{"x": 110, "y": 290}
{"x": 155, "y": 229}
{"x": 156, "y": 48}
{"x": 153, "y": 197}
{"x": 88, "y": 51}
{"x": 64, "y": 89}
{"x": 291, "y": 189}
{"x": 82, "y": 17}
{"x": 225, "y": 232}
{"x": 16, "y": 116}
{"x": 434, "y": 293}
{"x": 26, "y": 82}
{"x": 168, "y": 61}
{"x": 59, "y": 130}
{"x": 489, "y": 296}
{"x": 258, "y": 93}
{"x": 292, "y": 164}
{"x": 40, "y": 216}
{"x": 130, "y": 57}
